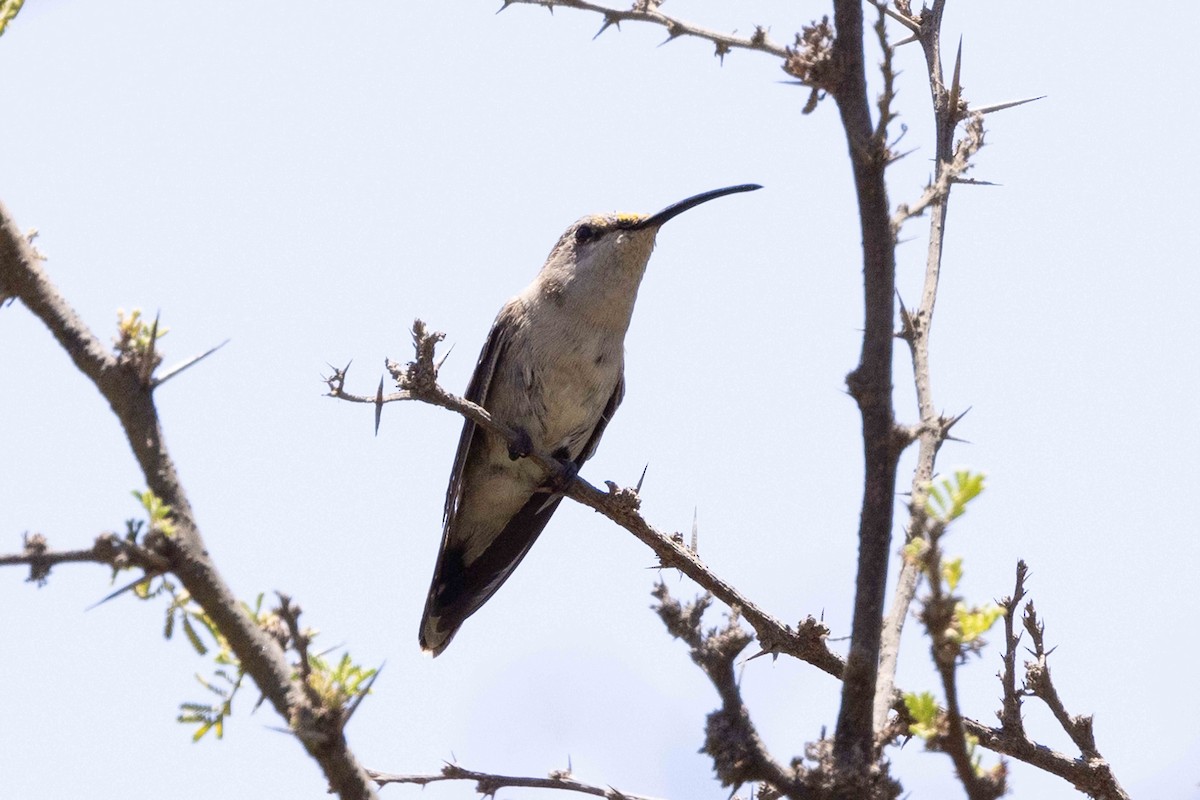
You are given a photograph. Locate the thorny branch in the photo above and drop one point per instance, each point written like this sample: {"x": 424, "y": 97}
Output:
{"x": 870, "y": 384}
{"x": 488, "y": 783}
{"x": 952, "y": 160}
{"x": 1010, "y": 712}
{"x": 108, "y": 549}
{"x": 738, "y": 753}
{"x": 647, "y": 11}
{"x": 808, "y": 58}
{"x": 949, "y": 172}
{"x": 126, "y": 384}
{"x": 1089, "y": 773}
{"x": 934, "y": 428}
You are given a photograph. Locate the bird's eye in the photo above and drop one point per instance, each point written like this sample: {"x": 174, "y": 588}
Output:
{"x": 584, "y": 233}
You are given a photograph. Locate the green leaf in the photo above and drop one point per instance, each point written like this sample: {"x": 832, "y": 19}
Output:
{"x": 158, "y": 512}
{"x": 915, "y": 549}
{"x": 204, "y": 619}
{"x": 923, "y": 708}
{"x": 948, "y": 498}
{"x": 203, "y": 729}
{"x": 952, "y": 572}
{"x": 974, "y": 622}
{"x": 8, "y": 12}
{"x": 193, "y": 637}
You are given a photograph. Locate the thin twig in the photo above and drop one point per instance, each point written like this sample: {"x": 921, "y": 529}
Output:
{"x": 107, "y": 549}
{"x": 1090, "y": 773}
{"x": 915, "y": 330}
{"x": 1010, "y": 713}
{"x": 488, "y": 783}
{"x": 1039, "y": 684}
{"x": 738, "y": 753}
{"x": 648, "y": 12}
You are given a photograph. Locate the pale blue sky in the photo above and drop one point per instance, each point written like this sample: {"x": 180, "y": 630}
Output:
{"x": 305, "y": 180}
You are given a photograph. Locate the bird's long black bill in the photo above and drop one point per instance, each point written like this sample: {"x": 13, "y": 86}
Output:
{"x": 683, "y": 205}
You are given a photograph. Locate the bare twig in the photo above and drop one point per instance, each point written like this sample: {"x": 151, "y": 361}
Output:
{"x": 887, "y": 72}
{"x": 488, "y": 783}
{"x": 1090, "y": 773}
{"x": 950, "y": 172}
{"x": 298, "y": 639}
{"x": 648, "y": 12}
{"x": 1039, "y": 684}
{"x": 1094, "y": 776}
{"x": 1010, "y": 713}
{"x": 952, "y": 162}
{"x": 738, "y": 753}
{"x": 107, "y": 549}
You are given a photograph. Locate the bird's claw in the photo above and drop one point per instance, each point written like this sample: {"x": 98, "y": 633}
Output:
{"x": 562, "y": 478}
{"x": 522, "y": 446}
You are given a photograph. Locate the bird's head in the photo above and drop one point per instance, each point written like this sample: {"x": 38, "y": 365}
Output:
{"x": 605, "y": 248}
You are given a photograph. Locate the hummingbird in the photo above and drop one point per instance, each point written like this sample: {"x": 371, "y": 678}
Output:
{"x": 552, "y": 369}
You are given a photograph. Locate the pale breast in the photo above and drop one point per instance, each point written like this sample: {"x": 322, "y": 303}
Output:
{"x": 567, "y": 373}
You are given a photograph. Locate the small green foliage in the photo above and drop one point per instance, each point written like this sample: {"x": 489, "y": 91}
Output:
{"x": 952, "y": 571}
{"x": 158, "y": 511}
{"x": 340, "y": 684}
{"x": 923, "y": 708}
{"x": 135, "y": 344}
{"x": 948, "y": 498}
{"x": 974, "y": 755}
{"x": 971, "y": 623}
{"x": 211, "y": 716}
{"x": 197, "y": 627}
{"x": 916, "y": 549}
{"x": 134, "y": 333}
{"x": 8, "y": 12}
{"x": 144, "y": 590}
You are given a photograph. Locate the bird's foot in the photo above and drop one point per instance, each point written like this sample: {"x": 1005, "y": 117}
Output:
{"x": 523, "y": 445}
{"x": 561, "y": 479}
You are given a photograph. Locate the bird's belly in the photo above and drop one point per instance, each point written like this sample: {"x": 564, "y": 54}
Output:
{"x": 557, "y": 395}
{"x": 574, "y": 395}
